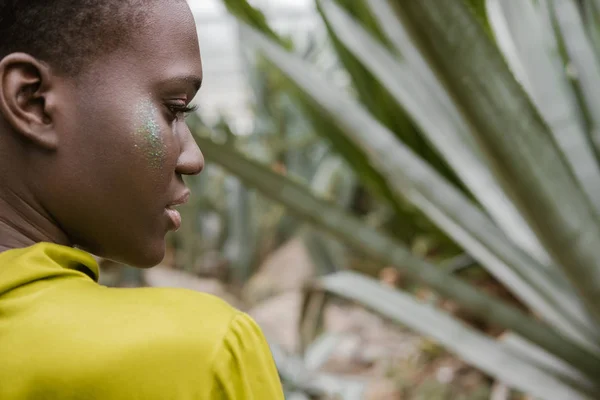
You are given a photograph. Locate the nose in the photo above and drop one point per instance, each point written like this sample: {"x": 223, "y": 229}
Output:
{"x": 191, "y": 160}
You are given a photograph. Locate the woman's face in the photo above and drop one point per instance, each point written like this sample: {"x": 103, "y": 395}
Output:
{"x": 124, "y": 144}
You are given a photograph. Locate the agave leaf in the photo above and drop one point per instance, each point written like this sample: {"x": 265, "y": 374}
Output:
{"x": 354, "y": 156}
{"x": 295, "y": 374}
{"x": 319, "y": 351}
{"x": 325, "y": 252}
{"x": 332, "y": 180}
{"x": 351, "y": 230}
{"x": 514, "y": 136}
{"x": 530, "y": 352}
{"x": 238, "y": 248}
{"x": 527, "y": 37}
{"x": 357, "y": 159}
{"x": 452, "y": 143}
{"x": 506, "y": 34}
{"x": 581, "y": 55}
{"x": 252, "y": 16}
{"x": 293, "y": 371}
{"x": 423, "y": 96}
{"x": 474, "y": 347}
{"x": 410, "y": 176}
{"x": 376, "y": 97}
{"x": 373, "y": 95}
{"x": 312, "y": 312}
{"x": 592, "y": 22}
{"x": 340, "y": 387}
{"x": 477, "y": 7}
{"x": 296, "y": 396}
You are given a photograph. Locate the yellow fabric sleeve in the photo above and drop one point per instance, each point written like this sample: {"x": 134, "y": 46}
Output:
{"x": 243, "y": 366}
{"x": 64, "y": 337}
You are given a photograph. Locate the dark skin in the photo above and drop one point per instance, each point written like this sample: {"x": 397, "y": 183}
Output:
{"x": 96, "y": 161}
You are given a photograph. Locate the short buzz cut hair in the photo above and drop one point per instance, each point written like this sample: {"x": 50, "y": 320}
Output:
{"x": 69, "y": 34}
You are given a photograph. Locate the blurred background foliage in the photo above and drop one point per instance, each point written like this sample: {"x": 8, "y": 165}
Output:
{"x": 442, "y": 173}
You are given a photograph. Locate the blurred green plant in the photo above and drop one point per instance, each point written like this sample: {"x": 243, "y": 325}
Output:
{"x": 513, "y": 116}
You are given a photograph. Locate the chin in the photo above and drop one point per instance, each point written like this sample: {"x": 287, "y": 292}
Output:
{"x": 148, "y": 257}
{"x": 138, "y": 255}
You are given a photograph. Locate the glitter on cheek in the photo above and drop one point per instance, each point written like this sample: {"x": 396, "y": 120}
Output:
{"x": 148, "y": 134}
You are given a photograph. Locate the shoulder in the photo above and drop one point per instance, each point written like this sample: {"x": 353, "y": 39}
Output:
{"x": 205, "y": 325}
{"x": 204, "y": 343}
{"x": 180, "y": 302}
{"x": 167, "y": 340}
{"x": 243, "y": 367}
{"x": 200, "y": 317}
{"x": 146, "y": 343}
{"x": 176, "y": 314}
{"x": 145, "y": 326}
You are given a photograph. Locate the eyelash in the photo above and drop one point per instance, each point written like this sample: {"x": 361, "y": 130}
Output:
{"x": 177, "y": 110}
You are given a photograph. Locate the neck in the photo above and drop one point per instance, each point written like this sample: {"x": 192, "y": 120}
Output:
{"x": 23, "y": 223}
{"x": 23, "y": 219}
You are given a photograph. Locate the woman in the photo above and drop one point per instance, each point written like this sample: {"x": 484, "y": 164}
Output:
{"x": 93, "y": 147}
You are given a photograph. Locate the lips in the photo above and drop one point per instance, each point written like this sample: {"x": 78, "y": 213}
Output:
{"x": 184, "y": 198}
{"x": 173, "y": 214}
{"x": 175, "y": 218}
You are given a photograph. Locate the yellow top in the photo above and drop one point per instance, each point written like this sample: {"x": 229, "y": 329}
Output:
{"x": 64, "y": 336}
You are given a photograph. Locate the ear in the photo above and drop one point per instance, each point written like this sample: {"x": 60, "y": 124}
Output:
{"x": 25, "y": 99}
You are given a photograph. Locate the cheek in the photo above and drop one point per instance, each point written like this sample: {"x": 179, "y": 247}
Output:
{"x": 149, "y": 136}
{"x": 154, "y": 140}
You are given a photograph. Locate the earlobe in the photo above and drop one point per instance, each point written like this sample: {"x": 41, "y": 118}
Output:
{"x": 24, "y": 92}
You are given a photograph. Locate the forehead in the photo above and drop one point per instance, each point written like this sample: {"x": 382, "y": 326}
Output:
{"x": 164, "y": 51}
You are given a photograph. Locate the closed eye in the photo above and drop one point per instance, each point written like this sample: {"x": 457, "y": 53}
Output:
{"x": 181, "y": 110}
